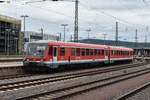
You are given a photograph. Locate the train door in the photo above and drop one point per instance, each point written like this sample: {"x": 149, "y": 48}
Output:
{"x": 109, "y": 54}
{"x": 106, "y": 53}
{"x": 54, "y": 54}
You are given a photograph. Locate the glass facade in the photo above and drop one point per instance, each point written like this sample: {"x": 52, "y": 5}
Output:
{"x": 9, "y": 37}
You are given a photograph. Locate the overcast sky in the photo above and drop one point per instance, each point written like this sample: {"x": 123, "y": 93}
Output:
{"x": 99, "y": 15}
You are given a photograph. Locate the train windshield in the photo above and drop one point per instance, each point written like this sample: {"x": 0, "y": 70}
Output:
{"x": 36, "y": 50}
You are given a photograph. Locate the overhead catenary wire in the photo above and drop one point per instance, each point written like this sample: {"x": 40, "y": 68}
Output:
{"x": 113, "y": 17}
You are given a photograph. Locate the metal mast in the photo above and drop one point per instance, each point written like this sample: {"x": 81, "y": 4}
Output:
{"x": 76, "y": 22}
{"x": 64, "y": 25}
{"x": 116, "y": 33}
{"x": 88, "y": 30}
{"x": 136, "y": 37}
{"x": 104, "y": 38}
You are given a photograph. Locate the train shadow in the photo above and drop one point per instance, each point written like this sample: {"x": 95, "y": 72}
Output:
{"x": 75, "y": 67}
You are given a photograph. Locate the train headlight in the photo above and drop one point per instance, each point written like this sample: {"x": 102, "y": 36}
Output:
{"x": 42, "y": 60}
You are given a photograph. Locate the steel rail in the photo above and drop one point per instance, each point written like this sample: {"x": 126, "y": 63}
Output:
{"x": 77, "y": 89}
{"x": 23, "y": 84}
{"x": 134, "y": 91}
{"x": 27, "y": 83}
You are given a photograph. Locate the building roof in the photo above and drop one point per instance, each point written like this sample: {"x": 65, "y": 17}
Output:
{"x": 9, "y": 19}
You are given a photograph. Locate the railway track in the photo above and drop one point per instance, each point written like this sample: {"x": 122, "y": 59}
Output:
{"x": 86, "y": 86}
{"x": 15, "y": 76}
{"x": 133, "y": 92}
{"x": 37, "y": 82}
{"x": 27, "y": 83}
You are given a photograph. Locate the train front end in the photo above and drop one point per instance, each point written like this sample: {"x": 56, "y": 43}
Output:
{"x": 36, "y": 56}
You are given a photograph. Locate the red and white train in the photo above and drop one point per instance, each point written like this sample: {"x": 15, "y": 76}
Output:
{"x": 45, "y": 55}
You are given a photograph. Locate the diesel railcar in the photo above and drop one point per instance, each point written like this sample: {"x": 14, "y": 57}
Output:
{"x": 45, "y": 55}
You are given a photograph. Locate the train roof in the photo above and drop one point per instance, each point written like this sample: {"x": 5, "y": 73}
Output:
{"x": 50, "y": 42}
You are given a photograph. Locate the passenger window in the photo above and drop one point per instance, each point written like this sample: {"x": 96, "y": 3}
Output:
{"x": 87, "y": 52}
{"x": 99, "y": 52}
{"x": 91, "y": 52}
{"x": 72, "y": 51}
{"x": 50, "y": 51}
{"x": 95, "y": 52}
{"x": 102, "y": 52}
{"x": 117, "y": 52}
{"x": 114, "y": 52}
{"x": 83, "y": 52}
{"x": 131, "y": 53}
{"x": 78, "y": 51}
{"x": 111, "y": 52}
{"x": 62, "y": 51}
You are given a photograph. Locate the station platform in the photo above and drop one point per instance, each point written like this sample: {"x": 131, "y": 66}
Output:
{"x": 11, "y": 64}
{"x": 11, "y": 58}
{"x": 10, "y": 61}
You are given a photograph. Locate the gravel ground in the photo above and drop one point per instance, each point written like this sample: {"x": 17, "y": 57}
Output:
{"x": 103, "y": 75}
{"x": 16, "y": 93}
{"x": 142, "y": 95}
{"x": 113, "y": 91}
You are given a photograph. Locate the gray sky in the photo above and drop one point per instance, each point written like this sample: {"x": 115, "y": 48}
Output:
{"x": 99, "y": 15}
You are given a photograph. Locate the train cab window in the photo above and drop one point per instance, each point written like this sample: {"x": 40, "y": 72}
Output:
{"x": 102, "y": 52}
{"x": 83, "y": 52}
{"x": 72, "y": 51}
{"x": 95, "y": 50}
{"x": 62, "y": 51}
{"x": 99, "y": 53}
{"x": 78, "y": 52}
{"x": 91, "y": 52}
{"x": 50, "y": 51}
{"x": 87, "y": 52}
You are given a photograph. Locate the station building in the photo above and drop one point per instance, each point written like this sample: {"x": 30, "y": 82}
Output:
{"x": 31, "y": 36}
{"x": 10, "y": 35}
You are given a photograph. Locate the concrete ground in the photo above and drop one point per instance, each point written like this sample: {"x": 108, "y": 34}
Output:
{"x": 11, "y": 64}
